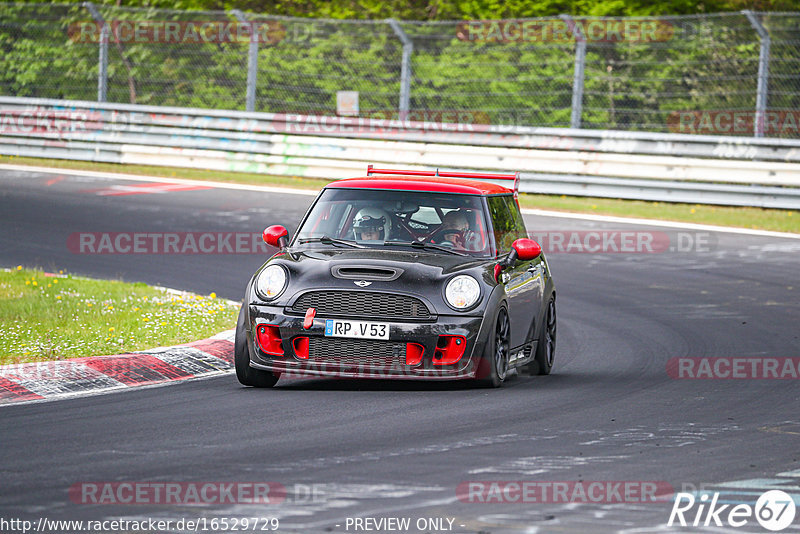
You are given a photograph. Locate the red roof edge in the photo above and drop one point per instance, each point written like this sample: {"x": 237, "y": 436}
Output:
{"x": 450, "y": 174}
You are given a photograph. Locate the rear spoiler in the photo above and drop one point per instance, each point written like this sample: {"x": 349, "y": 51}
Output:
{"x": 450, "y": 174}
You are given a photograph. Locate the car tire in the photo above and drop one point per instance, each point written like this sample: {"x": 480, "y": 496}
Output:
{"x": 546, "y": 347}
{"x": 493, "y": 366}
{"x": 247, "y": 375}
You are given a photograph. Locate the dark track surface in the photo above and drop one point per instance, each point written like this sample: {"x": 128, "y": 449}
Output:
{"x": 609, "y": 412}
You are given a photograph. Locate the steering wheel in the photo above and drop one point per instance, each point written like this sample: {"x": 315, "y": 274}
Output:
{"x": 458, "y": 239}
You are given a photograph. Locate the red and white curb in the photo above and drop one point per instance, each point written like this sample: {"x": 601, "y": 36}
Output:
{"x": 41, "y": 381}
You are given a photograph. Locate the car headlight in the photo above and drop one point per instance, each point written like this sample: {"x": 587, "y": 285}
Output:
{"x": 462, "y": 292}
{"x": 271, "y": 282}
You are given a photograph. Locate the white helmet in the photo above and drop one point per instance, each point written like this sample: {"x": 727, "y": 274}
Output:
{"x": 372, "y": 219}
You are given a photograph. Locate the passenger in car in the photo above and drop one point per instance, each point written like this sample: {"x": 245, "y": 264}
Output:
{"x": 371, "y": 224}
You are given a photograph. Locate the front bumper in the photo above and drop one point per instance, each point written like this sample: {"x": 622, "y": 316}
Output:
{"x": 361, "y": 358}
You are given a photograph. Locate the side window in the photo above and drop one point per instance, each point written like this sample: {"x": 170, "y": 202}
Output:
{"x": 519, "y": 222}
{"x": 502, "y": 224}
{"x": 507, "y": 222}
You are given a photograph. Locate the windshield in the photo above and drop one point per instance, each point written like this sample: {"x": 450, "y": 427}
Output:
{"x": 380, "y": 218}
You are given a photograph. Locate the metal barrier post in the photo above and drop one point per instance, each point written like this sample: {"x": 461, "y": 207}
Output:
{"x": 102, "y": 75}
{"x": 763, "y": 73}
{"x": 252, "y": 61}
{"x": 405, "y": 67}
{"x": 578, "y": 74}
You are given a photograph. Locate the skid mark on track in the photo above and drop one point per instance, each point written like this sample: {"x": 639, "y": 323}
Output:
{"x": 678, "y": 435}
{"x": 538, "y": 465}
{"x": 327, "y": 461}
{"x": 785, "y": 427}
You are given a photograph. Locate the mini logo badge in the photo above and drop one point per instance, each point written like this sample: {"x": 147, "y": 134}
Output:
{"x": 362, "y": 283}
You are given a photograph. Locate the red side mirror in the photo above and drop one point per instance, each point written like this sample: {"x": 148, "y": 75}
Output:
{"x": 527, "y": 249}
{"x": 521, "y": 249}
{"x": 275, "y": 236}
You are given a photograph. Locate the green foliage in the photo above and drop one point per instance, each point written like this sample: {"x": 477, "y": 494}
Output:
{"x": 34, "y": 47}
{"x": 462, "y": 9}
{"x": 692, "y": 63}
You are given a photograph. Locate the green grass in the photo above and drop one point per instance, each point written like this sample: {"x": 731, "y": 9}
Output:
{"x": 58, "y": 316}
{"x": 755, "y": 218}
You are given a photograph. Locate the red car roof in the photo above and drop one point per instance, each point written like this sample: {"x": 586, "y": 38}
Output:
{"x": 422, "y": 183}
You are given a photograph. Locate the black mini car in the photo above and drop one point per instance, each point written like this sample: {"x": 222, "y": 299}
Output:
{"x": 407, "y": 275}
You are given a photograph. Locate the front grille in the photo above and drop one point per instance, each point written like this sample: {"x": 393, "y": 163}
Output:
{"x": 362, "y": 353}
{"x": 362, "y": 303}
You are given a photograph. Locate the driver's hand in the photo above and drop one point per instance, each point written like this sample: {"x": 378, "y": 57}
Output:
{"x": 471, "y": 240}
{"x": 453, "y": 239}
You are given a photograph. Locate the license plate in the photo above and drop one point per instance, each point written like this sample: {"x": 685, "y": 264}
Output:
{"x": 357, "y": 329}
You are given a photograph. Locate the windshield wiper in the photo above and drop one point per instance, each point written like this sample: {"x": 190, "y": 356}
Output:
{"x": 325, "y": 240}
{"x": 423, "y": 245}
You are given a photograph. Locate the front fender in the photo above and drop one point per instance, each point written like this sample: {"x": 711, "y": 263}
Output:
{"x": 497, "y": 299}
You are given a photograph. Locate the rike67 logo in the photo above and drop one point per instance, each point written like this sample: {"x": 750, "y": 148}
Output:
{"x": 774, "y": 510}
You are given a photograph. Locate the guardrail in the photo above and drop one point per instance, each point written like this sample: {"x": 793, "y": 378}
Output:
{"x": 648, "y": 166}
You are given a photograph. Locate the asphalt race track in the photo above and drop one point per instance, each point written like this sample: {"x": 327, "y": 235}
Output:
{"x": 346, "y": 449}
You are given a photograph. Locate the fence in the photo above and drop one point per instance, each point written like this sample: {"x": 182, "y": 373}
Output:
{"x": 722, "y": 74}
{"x": 649, "y": 166}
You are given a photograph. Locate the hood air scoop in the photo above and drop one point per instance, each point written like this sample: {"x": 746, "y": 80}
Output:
{"x": 366, "y": 272}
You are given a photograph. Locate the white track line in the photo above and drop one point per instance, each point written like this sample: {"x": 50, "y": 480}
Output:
{"x": 142, "y": 178}
{"x": 308, "y": 192}
{"x": 657, "y": 222}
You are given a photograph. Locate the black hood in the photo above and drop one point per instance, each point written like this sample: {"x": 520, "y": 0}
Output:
{"x": 413, "y": 272}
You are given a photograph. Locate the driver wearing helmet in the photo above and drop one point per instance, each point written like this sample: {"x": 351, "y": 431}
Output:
{"x": 371, "y": 224}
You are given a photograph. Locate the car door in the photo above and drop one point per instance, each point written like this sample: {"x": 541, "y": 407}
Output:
{"x": 523, "y": 280}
